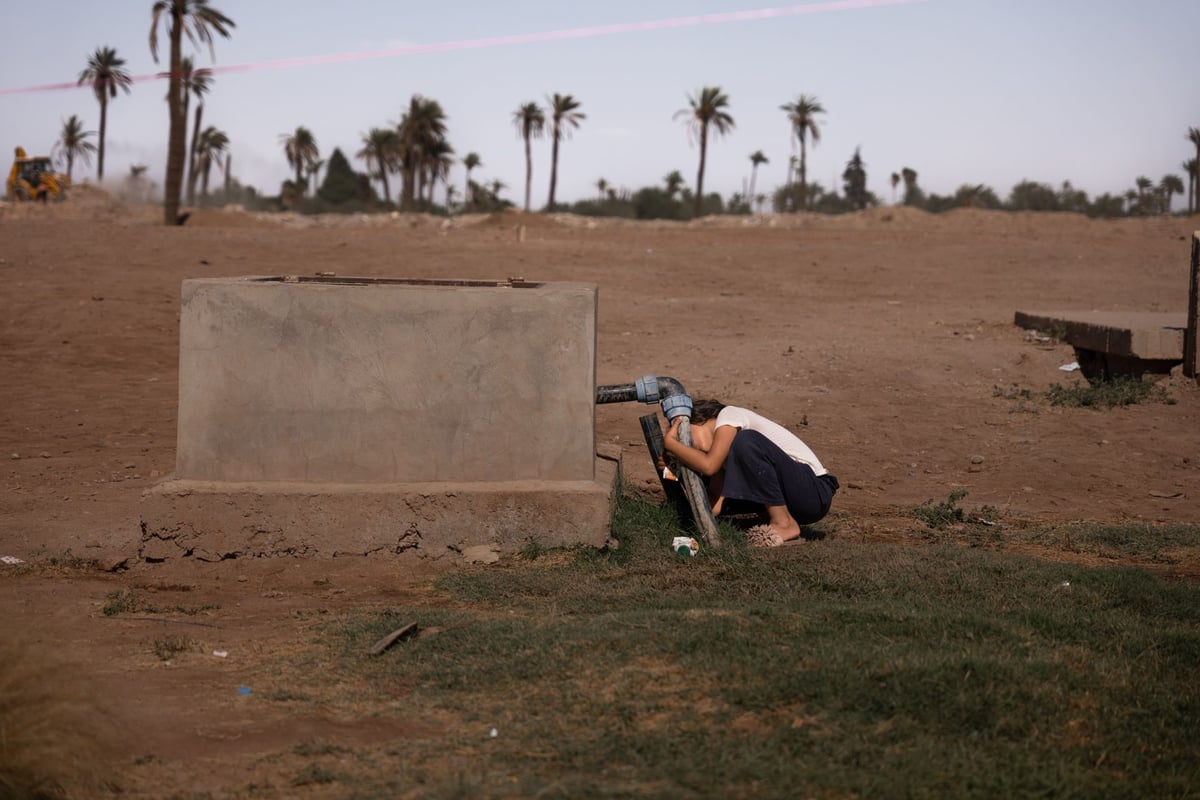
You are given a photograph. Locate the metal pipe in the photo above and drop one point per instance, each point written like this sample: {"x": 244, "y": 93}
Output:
{"x": 676, "y": 403}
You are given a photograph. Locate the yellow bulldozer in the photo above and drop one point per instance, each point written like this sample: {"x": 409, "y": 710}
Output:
{"x": 34, "y": 178}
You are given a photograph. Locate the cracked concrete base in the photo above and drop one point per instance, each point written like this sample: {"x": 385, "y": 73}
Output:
{"x": 211, "y": 521}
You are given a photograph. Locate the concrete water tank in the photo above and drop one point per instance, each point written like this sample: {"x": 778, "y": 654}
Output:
{"x": 329, "y": 415}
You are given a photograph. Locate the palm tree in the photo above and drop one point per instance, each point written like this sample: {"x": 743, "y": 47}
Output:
{"x": 1143, "y": 185}
{"x": 895, "y": 183}
{"x": 530, "y": 122}
{"x": 105, "y": 75}
{"x": 909, "y": 175}
{"x": 563, "y": 116}
{"x": 602, "y": 188}
{"x": 1170, "y": 186}
{"x": 439, "y": 159}
{"x": 1189, "y": 167}
{"x": 313, "y": 169}
{"x": 855, "y": 177}
{"x": 470, "y": 162}
{"x": 674, "y": 181}
{"x": 421, "y": 127}
{"x": 211, "y": 146}
{"x": 199, "y": 20}
{"x": 495, "y": 188}
{"x": 705, "y": 108}
{"x": 756, "y": 158}
{"x": 300, "y": 148}
{"x": 195, "y": 82}
{"x": 1193, "y": 136}
{"x": 802, "y": 114}
{"x": 381, "y": 151}
{"x": 73, "y": 143}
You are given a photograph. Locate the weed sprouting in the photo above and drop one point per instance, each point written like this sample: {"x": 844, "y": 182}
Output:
{"x": 70, "y": 561}
{"x": 532, "y": 550}
{"x": 124, "y": 601}
{"x": 1121, "y": 391}
{"x": 1106, "y": 394}
{"x": 314, "y": 774}
{"x": 313, "y": 749}
{"x": 1012, "y": 392}
{"x": 939, "y": 515}
{"x": 171, "y": 646}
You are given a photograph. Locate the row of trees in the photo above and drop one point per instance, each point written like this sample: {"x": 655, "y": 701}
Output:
{"x": 417, "y": 148}
{"x": 1145, "y": 199}
{"x": 105, "y": 73}
{"x": 708, "y": 111}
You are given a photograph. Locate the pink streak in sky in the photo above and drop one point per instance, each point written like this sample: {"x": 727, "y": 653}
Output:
{"x": 514, "y": 39}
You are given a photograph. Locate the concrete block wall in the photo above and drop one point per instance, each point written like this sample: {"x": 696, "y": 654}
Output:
{"x": 341, "y": 380}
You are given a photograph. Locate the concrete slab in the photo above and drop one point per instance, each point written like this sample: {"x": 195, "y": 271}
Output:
{"x": 1131, "y": 334}
{"x": 215, "y": 520}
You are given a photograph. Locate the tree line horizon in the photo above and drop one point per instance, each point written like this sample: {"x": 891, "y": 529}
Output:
{"x": 416, "y": 149}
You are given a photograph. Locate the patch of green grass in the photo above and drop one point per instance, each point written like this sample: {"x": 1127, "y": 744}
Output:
{"x": 1012, "y": 392}
{"x": 171, "y": 646}
{"x": 313, "y": 749}
{"x": 940, "y": 515}
{"x": 979, "y": 529}
{"x": 532, "y": 550}
{"x": 1122, "y": 391}
{"x": 1105, "y": 394}
{"x": 1135, "y": 540}
{"x": 70, "y": 561}
{"x": 315, "y": 774}
{"x": 192, "y": 611}
{"x": 845, "y": 668}
{"x": 125, "y": 601}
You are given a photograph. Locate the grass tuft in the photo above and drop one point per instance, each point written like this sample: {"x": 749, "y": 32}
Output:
{"x": 124, "y": 601}
{"x": 314, "y": 774}
{"x": 169, "y": 647}
{"x": 943, "y": 514}
{"x": 1105, "y": 394}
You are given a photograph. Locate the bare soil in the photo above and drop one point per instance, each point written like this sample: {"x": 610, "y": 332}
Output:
{"x": 885, "y": 339}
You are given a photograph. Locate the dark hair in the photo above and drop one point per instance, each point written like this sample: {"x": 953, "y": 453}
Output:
{"x": 704, "y": 410}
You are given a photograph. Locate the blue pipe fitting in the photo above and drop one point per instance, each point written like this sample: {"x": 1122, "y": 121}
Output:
{"x": 647, "y": 389}
{"x": 677, "y": 405}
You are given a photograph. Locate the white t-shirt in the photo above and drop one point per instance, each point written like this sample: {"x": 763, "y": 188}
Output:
{"x": 788, "y": 442}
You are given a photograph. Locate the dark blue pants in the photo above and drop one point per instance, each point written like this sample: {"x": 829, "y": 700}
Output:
{"x": 757, "y": 471}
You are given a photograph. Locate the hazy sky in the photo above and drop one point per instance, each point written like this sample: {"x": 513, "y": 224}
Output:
{"x": 1097, "y": 92}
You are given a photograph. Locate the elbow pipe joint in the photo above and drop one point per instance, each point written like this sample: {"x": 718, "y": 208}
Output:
{"x": 677, "y": 405}
{"x": 667, "y": 392}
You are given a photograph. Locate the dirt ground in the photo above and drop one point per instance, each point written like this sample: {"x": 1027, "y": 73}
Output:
{"x": 882, "y": 338}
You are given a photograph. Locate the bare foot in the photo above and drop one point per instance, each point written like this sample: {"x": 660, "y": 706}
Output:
{"x": 766, "y": 536}
{"x": 782, "y": 523}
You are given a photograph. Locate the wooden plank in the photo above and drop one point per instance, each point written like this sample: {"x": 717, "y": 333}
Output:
{"x": 387, "y": 641}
